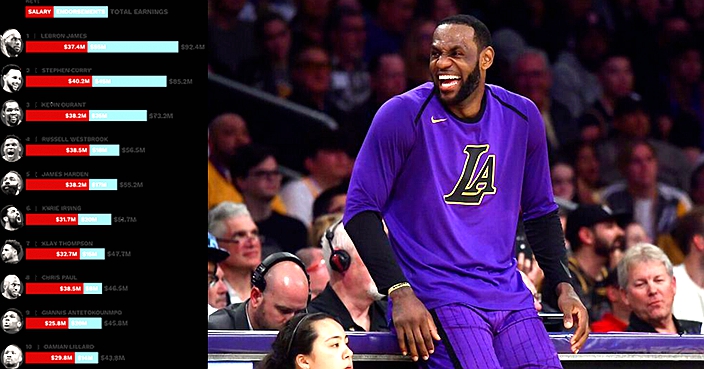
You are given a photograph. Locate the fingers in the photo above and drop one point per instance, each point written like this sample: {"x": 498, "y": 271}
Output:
{"x": 401, "y": 336}
{"x": 582, "y": 331}
{"x": 420, "y": 340}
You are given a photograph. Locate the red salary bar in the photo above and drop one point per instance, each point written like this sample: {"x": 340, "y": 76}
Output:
{"x": 57, "y": 150}
{"x": 39, "y": 12}
{"x": 36, "y": 253}
{"x": 59, "y": 81}
{"x": 54, "y": 288}
{"x": 48, "y": 357}
{"x": 46, "y": 323}
{"x": 56, "y": 47}
{"x": 51, "y": 219}
{"x": 66, "y": 184}
{"x": 56, "y": 115}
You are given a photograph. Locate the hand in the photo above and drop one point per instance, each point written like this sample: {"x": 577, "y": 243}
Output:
{"x": 574, "y": 310}
{"x": 415, "y": 328}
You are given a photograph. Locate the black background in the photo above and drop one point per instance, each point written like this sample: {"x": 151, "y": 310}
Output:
{"x": 159, "y": 304}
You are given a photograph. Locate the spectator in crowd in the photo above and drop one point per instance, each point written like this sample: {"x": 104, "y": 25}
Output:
{"x": 231, "y": 40}
{"x": 635, "y": 234}
{"x": 415, "y": 51}
{"x": 587, "y": 170}
{"x": 642, "y": 198}
{"x": 11, "y": 183}
{"x": 235, "y": 230}
{"x": 351, "y": 295}
{"x": 280, "y": 289}
{"x": 696, "y": 184}
{"x": 388, "y": 25}
{"x": 217, "y": 291}
{"x": 309, "y": 341}
{"x": 11, "y": 252}
{"x": 313, "y": 258}
{"x": 593, "y": 233}
{"x": 531, "y": 76}
{"x": 616, "y": 319}
{"x": 269, "y": 70}
{"x": 327, "y": 164}
{"x": 256, "y": 174}
{"x": 689, "y": 299}
{"x": 647, "y": 283}
{"x": 632, "y": 122}
{"x": 227, "y": 132}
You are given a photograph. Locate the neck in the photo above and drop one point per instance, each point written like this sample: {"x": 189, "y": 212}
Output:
{"x": 472, "y": 105}
{"x": 239, "y": 279}
{"x": 324, "y": 182}
{"x": 643, "y": 192}
{"x": 666, "y": 325}
{"x": 620, "y": 311}
{"x": 591, "y": 263}
{"x": 259, "y": 209}
{"x": 356, "y": 300}
{"x": 694, "y": 265}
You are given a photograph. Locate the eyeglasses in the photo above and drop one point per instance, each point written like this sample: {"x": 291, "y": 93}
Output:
{"x": 213, "y": 280}
{"x": 240, "y": 237}
{"x": 268, "y": 174}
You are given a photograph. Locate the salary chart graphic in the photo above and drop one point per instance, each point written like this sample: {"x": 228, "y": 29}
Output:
{"x": 97, "y": 98}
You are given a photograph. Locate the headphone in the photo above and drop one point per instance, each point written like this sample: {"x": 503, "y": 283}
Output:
{"x": 271, "y": 260}
{"x": 340, "y": 260}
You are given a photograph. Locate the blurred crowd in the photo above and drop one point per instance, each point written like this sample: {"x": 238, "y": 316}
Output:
{"x": 619, "y": 84}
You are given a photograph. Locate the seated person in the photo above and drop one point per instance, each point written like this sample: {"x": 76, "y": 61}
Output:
{"x": 648, "y": 286}
{"x": 280, "y": 289}
{"x": 309, "y": 341}
{"x": 351, "y": 296}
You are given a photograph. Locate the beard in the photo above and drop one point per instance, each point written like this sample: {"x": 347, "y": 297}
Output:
{"x": 469, "y": 85}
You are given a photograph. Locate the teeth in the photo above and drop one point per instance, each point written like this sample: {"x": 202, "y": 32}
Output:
{"x": 445, "y": 76}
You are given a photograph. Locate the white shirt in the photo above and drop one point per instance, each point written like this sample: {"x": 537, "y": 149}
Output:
{"x": 211, "y": 310}
{"x": 689, "y": 298}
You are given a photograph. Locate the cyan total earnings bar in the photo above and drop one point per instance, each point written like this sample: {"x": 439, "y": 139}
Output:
{"x": 62, "y": 219}
{"x": 71, "y": 150}
{"x": 85, "y": 116}
{"x": 95, "y": 81}
{"x": 70, "y": 184}
{"x": 63, "y": 288}
{"x": 60, "y": 357}
{"x": 63, "y": 323}
{"x": 66, "y": 253}
{"x": 85, "y": 47}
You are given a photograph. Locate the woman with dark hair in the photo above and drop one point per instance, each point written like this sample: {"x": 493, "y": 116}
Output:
{"x": 309, "y": 341}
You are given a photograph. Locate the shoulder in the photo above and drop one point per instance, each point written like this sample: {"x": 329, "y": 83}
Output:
{"x": 513, "y": 102}
{"x": 409, "y": 102}
{"x": 225, "y": 318}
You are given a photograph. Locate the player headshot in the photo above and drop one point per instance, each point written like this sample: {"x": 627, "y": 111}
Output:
{"x": 12, "y": 183}
{"x": 12, "y": 78}
{"x": 11, "y": 45}
{"x": 11, "y": 287}
{"x": 12, "y": 357}
{"x": 11, "y": 252}
{"x": 12, "y": 321}
{"x": 11, "y": 218}
{"x": 11, "y": 113}
{"x": 12, "y": 149}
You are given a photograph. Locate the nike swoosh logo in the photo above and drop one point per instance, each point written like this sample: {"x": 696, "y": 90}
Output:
{"x": 433, "y": 120}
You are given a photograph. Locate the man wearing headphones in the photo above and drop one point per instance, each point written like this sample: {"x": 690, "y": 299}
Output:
{"x": 351, "y": 296}
{"x": 280, "y": 289}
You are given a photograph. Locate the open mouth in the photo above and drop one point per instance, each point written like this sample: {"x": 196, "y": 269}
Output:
{"x": 448, "y": 82}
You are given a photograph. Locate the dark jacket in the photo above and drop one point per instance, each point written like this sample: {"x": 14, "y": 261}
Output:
{"x": 635, "y": 324}
{"x": 328, "y": 302}
{"x": 230, "y": 317}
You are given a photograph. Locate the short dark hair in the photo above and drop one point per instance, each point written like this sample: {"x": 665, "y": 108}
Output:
{"x": 10, "y": 67}
{"x": 482, "y": 36}
{"x": 15, "y": 244}
{"x": 688, "y": 226}
{"x": 247, "y": 157}
{"x": 322, "y": 202}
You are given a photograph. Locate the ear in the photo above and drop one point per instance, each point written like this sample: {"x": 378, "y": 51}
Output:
{"x": 624, "y": 297}
{"x": 586, "y": 235}
{"x": 255, "y": 296}
{"x": 486, "y": 58}
{"x": 302, "y": 361}
{"x": 19, "y": 325}
{"x": 698, "y": 242}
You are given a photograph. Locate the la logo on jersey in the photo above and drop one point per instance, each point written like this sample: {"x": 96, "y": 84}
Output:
{"x": 474, "y": 184}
